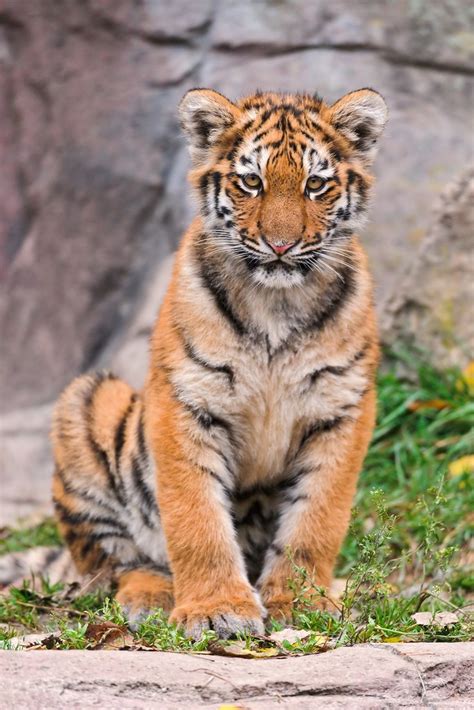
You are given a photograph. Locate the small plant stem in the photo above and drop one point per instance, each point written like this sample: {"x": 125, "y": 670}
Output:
{"x": 52, "y": 608}
{"x": 423, "y": 597}
{"x": 448, "y": 603}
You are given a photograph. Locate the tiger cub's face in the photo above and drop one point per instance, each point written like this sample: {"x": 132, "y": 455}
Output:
{"x": 282, "y": 179}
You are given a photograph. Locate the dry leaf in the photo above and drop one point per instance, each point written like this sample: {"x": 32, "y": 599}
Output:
{"x": 418, "y": 404}
{"x": 459, "y": 466}
{"x": 440, "y": 618}
{"x": 109, "y": 636}
{"x": 32, "y": 642}
{"x": 290, "y": 635}
{"x": 238, "y": 649}
{"x": 467, "y": 379}
{"x": 448, "y": 441}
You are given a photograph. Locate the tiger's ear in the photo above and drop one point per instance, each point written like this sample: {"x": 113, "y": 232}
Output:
{"x": 205, "y": 116}
{"x": 361, "y": 117}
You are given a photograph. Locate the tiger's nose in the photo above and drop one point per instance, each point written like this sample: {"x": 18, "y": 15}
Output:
{"x": 280, "y": 247}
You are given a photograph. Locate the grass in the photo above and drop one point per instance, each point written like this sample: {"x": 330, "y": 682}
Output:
{"x": 45, "y": 533}
{"x": 407, "y": 551}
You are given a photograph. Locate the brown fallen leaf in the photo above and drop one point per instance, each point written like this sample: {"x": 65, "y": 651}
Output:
{"x": 418, "y": 405}
{"x": 440, "y": 618}
{"x": 109, "y": 636}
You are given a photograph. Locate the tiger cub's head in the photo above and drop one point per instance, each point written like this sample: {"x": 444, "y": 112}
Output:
{"x": 282, "y": 179}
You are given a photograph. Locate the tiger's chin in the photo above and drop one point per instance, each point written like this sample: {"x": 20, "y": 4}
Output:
{"x": 277, "y": 275}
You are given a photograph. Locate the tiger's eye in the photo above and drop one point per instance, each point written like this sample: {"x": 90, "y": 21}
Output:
{"x": 252, "y": 181}
{"x": 314, "y": 183}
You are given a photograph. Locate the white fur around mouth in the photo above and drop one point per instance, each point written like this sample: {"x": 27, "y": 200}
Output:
{"x": 279, "y": 278}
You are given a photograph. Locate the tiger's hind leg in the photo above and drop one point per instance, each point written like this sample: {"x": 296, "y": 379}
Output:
{"x": 105, "y": 503}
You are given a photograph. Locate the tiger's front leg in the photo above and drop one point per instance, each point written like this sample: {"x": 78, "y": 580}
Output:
{"x": 211, "y": 588}
{"x": 316, "y": 509}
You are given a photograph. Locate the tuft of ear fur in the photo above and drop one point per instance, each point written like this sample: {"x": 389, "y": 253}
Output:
{"x": 361, "y": 117}
{"x": 205, "y": 116}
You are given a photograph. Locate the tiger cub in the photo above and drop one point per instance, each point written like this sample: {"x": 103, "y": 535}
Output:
{"x": 241, "y": 456}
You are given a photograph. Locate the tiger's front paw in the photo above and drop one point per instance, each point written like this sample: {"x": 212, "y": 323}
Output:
{"x": 226, "y": 618}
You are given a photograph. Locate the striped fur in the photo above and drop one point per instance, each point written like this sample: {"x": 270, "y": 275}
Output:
{"x": 259, "y": 404}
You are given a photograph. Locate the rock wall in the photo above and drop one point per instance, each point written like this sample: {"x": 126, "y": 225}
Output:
{"x": 434, "y": 304}
{"x": 93, "y": 166}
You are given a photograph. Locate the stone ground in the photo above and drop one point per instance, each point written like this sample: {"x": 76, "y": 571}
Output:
{"x": 420, "y": 675}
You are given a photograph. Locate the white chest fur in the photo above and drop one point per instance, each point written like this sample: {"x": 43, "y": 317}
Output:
{"x": 268, "y": 401}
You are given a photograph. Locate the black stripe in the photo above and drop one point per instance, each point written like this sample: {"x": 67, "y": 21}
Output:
{"x": 261, "y": 134}
{"x": 147, "y": 497}
{"x": 101, "y": 555}
{"x": 203, "y": 186}
{"x": 150, "y": 566}
{"x": 216, "y": 477}
{"x": 205, "y": 418}
{"x": 293, "y": 477}
{"x": 239, "y": 188}
{"x": 211, "y": 281}
{"x": 336, "y": 150}
{"x": 99, "y": 453}
{"x": 339, "y": 369}
{"x": 343, "y": 289}
{"x": 99, "y": 536}
{"x": 350, "y": 179}
{"x": 322, "y": 426}
{"x": 71, "y": 536}
{"x": 224, "y": 369}
{"x": 255, "y": 515}
{"x": 276, "y": 549}
{"x": 297, "y": 498}
{"x": 83, "y": 495}
{"x": 361, "y": 394}
{"x": 119, "y": 438}
{"x": 217, "y": 177}
{"x": 142, "y": 447}
{"x": 232, "y": 152}
{"x": 52, "y": 556}
{"x": 290, "y": 479}
{"x": 75, "y": 518}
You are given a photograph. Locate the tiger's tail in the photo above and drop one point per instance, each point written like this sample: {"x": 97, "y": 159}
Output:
{"x": 52, "y": 563}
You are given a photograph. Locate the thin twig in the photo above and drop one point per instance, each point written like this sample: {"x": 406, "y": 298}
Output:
{"x": 69, "y": 610}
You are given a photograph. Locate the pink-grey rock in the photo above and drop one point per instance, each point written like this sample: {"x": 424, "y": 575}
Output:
{"x": 440, "y": 34}
{"x": 372, "y": 676}
{"x": 90, "y": 137}
{"x": 26, "y": 465}
{"x": 179, "y": 19}
{"x": 433, "y": 305}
